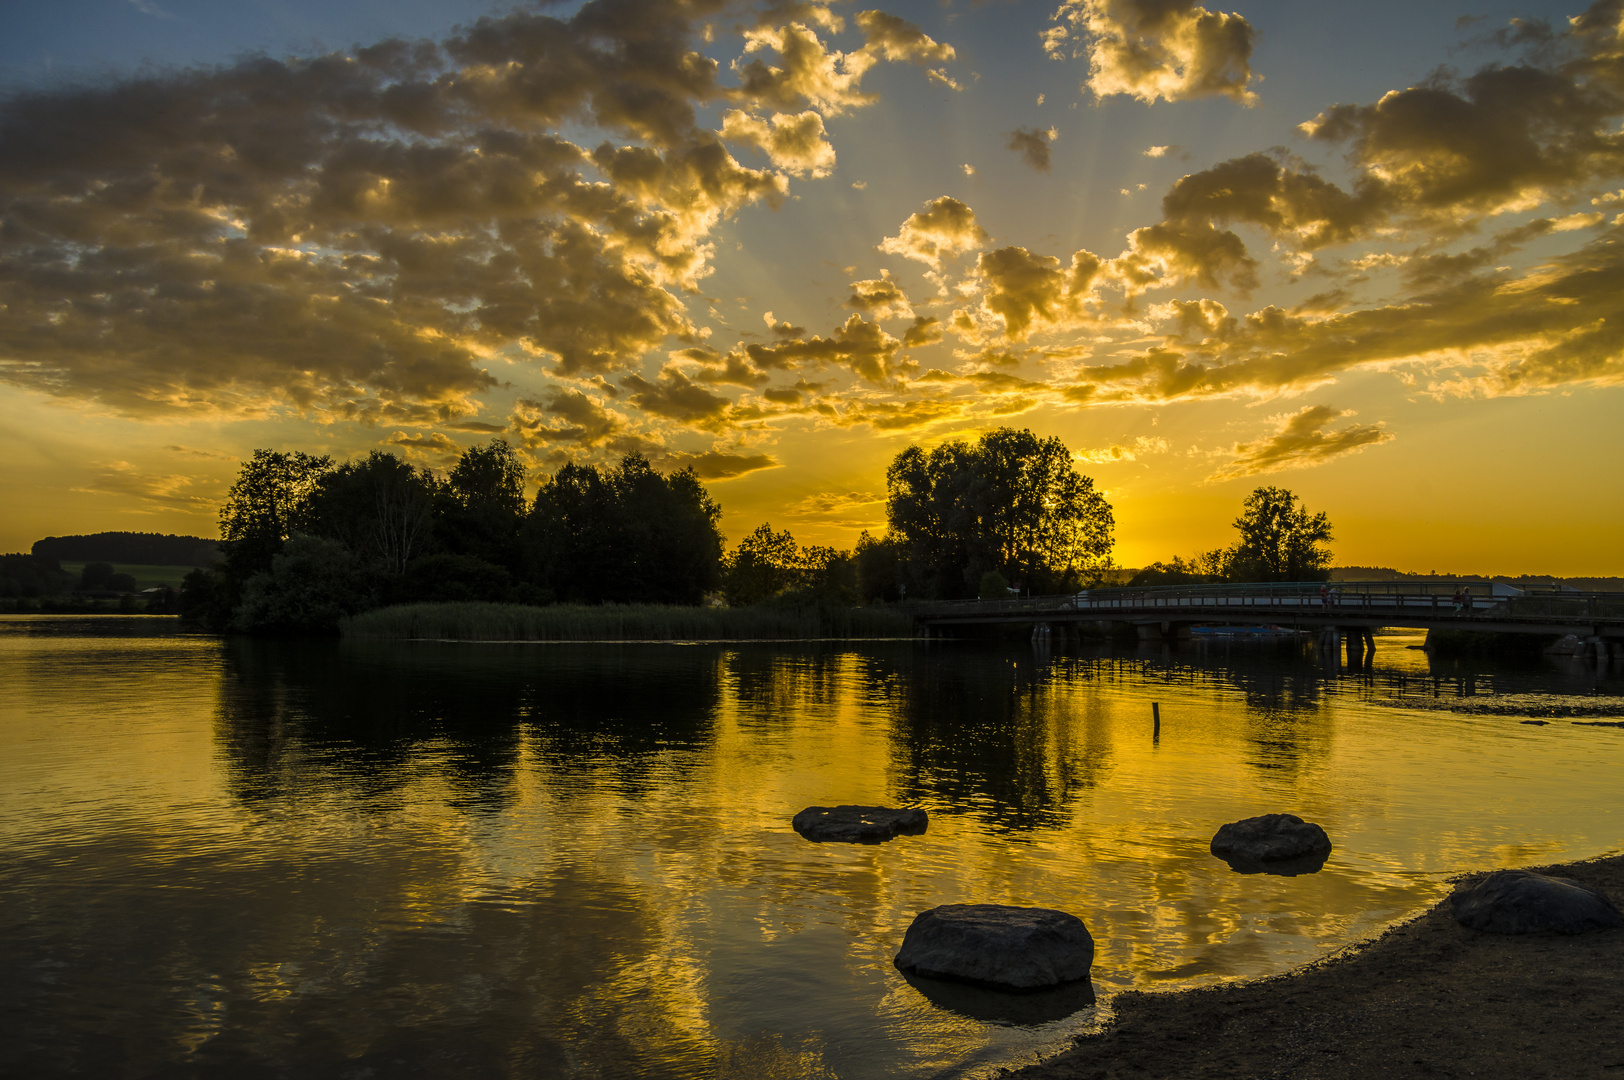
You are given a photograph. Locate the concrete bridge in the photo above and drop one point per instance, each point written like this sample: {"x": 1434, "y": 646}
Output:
{"x": 1352, "y": 609}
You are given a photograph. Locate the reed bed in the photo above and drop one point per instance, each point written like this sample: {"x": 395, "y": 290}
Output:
{"x": 616, "y": 622}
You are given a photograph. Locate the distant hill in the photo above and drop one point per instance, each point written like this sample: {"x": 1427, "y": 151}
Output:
{"x": 1384, "y": 573}
{"x": 142, "y": 549}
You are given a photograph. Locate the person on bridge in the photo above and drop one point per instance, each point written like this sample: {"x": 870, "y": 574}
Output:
{"x": 1466, "y": 599}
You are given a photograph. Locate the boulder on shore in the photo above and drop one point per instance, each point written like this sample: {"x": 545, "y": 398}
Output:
{"x": 1523, "y": 902}
{"x": 996, "y": 945}
{"x": 1272, "y": 843}
{"x": 858, "y": 824}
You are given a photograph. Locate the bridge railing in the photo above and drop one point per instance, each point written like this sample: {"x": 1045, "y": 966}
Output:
{"x": 1485, "y": 598}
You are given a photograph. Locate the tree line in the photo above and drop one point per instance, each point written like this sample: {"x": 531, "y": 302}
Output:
{"x": 140, "y": 548}
{"x": 308, "y": 541}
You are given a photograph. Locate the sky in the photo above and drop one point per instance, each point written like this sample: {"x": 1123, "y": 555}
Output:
{"x": 1365, "y": 252}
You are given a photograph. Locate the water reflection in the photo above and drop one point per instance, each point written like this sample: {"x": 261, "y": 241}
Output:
{"x": 458, "y": 860}
{"x": 360, "y": 715}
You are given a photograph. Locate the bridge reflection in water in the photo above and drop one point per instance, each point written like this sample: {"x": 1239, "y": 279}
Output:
{"x": 1336, "y": 610}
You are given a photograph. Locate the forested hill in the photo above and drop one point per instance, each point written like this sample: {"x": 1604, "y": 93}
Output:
{"x": 1383, "y": 573}
{"x": 142, "y": 549}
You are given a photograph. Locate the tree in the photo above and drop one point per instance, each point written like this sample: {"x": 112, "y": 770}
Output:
{"x": 381, "y": 508}
{"x": 482, "y": 504}
{"x": 764, "y": 564}
{"x": 1011, "y": 503}
{"x": 626, "y": 534}
{"x": 879, "y": 566}
{"x": 269, "y": 501}
{"x": 1280, "y": 540}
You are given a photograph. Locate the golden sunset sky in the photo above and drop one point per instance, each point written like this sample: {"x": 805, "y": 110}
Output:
{"x": 1365, "y": 251}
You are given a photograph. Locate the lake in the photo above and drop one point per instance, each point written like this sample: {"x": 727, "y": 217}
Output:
{"x": 360, "y": 859}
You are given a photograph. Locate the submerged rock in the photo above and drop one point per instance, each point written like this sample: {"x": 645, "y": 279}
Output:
{"x": 1523, "y": 902}
{"x": 996, "y": 945}
{"x": 1272, "y": 843}
{"x": 858, "y": 824}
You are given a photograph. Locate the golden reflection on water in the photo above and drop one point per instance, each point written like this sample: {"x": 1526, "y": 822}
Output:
{"x": 562, "y": 860}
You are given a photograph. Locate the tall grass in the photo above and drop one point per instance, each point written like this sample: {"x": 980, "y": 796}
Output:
{"x": 613, "y": 622}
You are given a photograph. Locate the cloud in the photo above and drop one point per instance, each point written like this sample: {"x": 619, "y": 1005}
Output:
{"x": 1116, "y": 452}
{"x": 795, "y": 144}
{"x": 945, "y": 227}
{"x": 191, "y": 451}
{"x": 1158, "y": 151}
{"x": 1171, "y": 254}
{"x": 434, "y": 444}
{"x": 715, "y": 465}
{"x": 828, "y": 81}
{"x": 844, "y": 509}
{"x": 858, "y": 344}
{"x": 881, "y": 298}
{"x": 893, "y": 416}
{"x": 894, "y": 38}
{"x": 926, "y": 330}
{"x": 565, "y": 416}
{"x": 676, "y": 397}
{"x": 1172, "y": 50}
{"x": 1033, "y": 145}
{"x": 366, "y": 235}
{"x": 1301, "y": 439}
{"x": 160, "y": 490}
{"x": 1022, "y": 287}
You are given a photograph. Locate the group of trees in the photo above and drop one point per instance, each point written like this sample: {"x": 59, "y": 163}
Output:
{"x": 1279, "y": 541}
{"x": 31, "y": 576}
{"x": 308, "y": 541}
{"x": 1010, "y": 505}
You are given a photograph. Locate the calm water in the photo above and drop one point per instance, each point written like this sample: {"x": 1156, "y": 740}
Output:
{"x": 368, "y": 860}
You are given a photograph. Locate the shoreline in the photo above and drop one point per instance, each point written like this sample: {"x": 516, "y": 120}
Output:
{"x": 1426, "y": 998}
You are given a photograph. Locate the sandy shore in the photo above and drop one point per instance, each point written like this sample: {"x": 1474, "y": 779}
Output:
{"x": 1428, "y": 998}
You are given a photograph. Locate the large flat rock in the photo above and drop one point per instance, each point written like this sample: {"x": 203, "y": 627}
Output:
{"x": 996, "y": 945}
{"x": 1524, "y": 902}
{"x": 858, "y": 824}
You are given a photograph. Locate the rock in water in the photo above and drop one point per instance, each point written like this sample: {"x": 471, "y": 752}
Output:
{"x": 858, "y": 824}
{"x": 1272, "y": 840}
{"x": 1010, "y": 948}
{"x": 1523, "y": 902}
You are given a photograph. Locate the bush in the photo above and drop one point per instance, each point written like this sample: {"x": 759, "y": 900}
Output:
{"x": 311, "y": 585}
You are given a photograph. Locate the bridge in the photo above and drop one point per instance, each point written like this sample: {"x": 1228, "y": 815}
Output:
{"x": 1345, "y": 608}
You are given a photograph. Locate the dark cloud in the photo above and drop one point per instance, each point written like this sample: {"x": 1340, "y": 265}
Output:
{"x": 1033, "y": 146}
{"x": 565, "y": 416}
{"x": 433, "y": 444}
{"x": 716, "y": 465}
{"x": 1302, "y": 439}
{"x": 676, "y": 397}
{"x": 862, "y": 346}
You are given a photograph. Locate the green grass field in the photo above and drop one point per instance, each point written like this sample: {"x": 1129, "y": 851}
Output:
{"x": 146, "y": 577}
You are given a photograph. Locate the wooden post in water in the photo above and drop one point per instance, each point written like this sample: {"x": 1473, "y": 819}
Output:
{"x": 1155, "y": 723}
